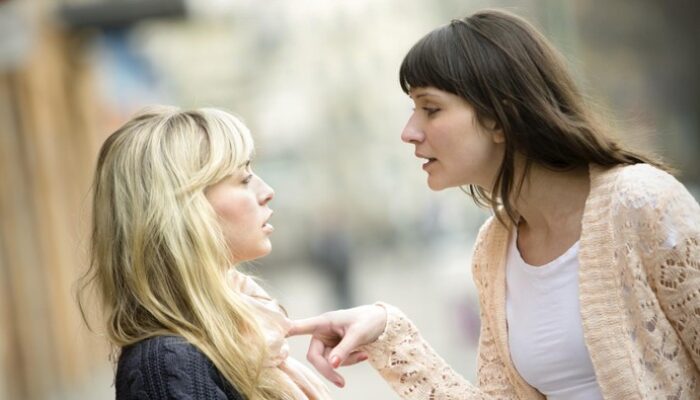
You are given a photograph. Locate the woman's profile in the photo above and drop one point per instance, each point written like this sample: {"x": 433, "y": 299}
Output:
{"x": 176, "y": 207}
{"x": 588, "y": 273}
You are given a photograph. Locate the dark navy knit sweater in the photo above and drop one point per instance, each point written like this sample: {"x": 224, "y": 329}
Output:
{"x": 168, "y": 367}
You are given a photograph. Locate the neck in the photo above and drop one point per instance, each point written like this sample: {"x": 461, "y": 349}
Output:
{"x": 552, "y": 200}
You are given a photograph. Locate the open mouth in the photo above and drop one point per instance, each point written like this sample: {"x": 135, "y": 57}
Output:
{"x": 267, "y": 226}
{"x": 429, "y": 160}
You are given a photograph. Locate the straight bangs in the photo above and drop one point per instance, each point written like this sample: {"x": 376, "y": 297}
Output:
{"x": 455, "y": 59}
{"x": 430, "y": 63}
{"x": 226, "y": 147}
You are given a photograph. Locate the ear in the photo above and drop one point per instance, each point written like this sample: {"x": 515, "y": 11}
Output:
{"x": 498, "y": 136}
{"x": 494, "y": 128}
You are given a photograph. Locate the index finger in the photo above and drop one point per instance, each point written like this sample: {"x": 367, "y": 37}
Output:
{"x": 305, "y": 326}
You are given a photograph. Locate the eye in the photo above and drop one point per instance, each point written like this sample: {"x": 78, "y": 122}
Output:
{"x": 430, "y": 110}
{"x": 247, "y": 179}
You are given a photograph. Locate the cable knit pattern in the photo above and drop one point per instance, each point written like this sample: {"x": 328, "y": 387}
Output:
{"x": 639, "y": 290}
{"x": 168, "y": 367}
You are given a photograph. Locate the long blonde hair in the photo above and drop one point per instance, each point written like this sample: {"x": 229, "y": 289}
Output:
{"x": 158, "y": 255}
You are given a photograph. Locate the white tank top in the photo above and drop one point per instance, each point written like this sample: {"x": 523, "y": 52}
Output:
{"x": 545, "y": 334}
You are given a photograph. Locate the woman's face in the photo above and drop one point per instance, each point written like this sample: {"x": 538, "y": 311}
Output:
{"x": 241, "y": 202}
{"x": 457, "y": 149}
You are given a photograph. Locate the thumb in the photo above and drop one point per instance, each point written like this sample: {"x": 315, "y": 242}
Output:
{"x": 342, "y": 351}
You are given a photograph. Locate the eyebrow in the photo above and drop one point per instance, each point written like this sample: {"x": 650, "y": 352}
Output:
{"x": 424, "y": 94}
{"x": 245, "y": 164}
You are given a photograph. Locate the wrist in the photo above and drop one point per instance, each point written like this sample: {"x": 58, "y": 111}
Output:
{"x": 382, "y": 316}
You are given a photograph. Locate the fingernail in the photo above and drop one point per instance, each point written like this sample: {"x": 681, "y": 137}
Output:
{"x": 339, "y": 383}
{"x": 335, "y": 361}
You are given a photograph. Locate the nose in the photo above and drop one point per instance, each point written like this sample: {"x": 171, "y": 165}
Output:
{"x": 411, "y": 132}
{"x": 266, "y": 193}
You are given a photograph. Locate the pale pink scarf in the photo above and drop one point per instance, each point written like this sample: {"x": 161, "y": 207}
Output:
{"x": 303, "y": 383}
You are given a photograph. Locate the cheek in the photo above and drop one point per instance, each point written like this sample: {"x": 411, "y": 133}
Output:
{"x": 451, "y": 136}
{"x": 236, "y": 213}
{"x": 232, "y": 207}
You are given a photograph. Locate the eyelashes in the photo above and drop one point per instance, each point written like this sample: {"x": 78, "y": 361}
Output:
{"x": 430, "y": 111}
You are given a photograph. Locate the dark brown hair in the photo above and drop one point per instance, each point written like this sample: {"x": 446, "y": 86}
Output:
{"x": 512, "y": 75}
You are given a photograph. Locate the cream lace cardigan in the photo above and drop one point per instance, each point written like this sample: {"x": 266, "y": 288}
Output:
{"x": 639, "y": 289}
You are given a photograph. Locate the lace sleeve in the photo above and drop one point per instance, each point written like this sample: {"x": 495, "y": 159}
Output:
{"x": 413, "y": 369}
{"x": 491, "y": 373}
{"x": 677, "y": 264}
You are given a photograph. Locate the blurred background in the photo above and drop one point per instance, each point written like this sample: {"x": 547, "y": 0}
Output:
{"x": 316, "y": 81}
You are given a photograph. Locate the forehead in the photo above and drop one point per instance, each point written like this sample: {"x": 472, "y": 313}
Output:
{"x": 241, "y": 168}
{"x": 427, "y": 93}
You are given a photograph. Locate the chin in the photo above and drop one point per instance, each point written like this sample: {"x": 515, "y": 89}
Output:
{"x": 254, "y": 254}
{"x": 436, "y": 186}
{"x": 265, "y": 250}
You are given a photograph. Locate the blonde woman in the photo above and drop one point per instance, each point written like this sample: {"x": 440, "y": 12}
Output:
{"x": 176, "y": 208}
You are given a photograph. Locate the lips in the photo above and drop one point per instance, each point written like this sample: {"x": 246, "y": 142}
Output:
{"x": 267, "y": 226}
{"x": 430, "y": 160}
{"x": 419, "y": 155}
